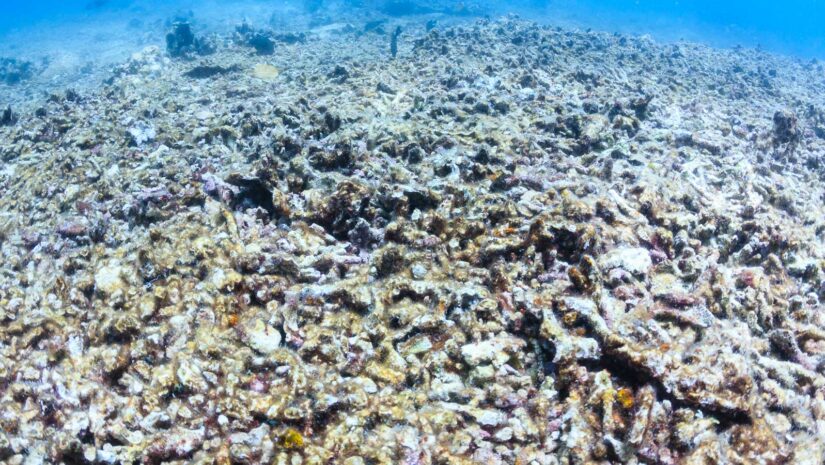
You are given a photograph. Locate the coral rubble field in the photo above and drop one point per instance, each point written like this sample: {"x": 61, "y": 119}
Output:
{"x": 509, "y": 244}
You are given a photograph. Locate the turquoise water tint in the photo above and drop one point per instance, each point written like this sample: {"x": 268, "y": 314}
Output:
{"x": 793, "y": 27}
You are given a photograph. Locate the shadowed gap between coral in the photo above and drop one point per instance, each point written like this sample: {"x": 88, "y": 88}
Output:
{"x": 637, "y": 378}
{"x": 318, "y": 421}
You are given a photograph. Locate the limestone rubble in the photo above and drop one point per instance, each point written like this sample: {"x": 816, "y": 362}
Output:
{"x": 511, "y": 244}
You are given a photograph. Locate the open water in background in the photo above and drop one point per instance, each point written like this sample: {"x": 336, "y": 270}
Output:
{"x": 793, "y": 27}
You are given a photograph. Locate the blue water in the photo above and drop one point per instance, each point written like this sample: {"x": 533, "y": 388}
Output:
{"x": 794, "y": 27}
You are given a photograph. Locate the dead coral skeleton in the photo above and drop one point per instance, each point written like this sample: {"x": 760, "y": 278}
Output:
{"x": 440, "y": 259}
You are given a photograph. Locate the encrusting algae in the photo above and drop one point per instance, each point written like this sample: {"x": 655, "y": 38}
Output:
{"x": 265, "y": 72}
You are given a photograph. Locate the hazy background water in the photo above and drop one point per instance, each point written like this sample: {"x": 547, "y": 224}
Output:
{"x": 73, "y": 36}
{"x": 795, "y": 27}
{"x": 792, "y": 26}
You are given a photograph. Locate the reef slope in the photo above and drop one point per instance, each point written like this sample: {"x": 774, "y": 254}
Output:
{"x": 509, "y": 244}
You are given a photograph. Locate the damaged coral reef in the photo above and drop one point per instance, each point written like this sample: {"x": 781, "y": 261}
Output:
{"x": 510, "y": 244}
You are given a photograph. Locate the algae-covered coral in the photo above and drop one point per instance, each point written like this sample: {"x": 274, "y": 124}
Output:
{"x": 511, "y": 244}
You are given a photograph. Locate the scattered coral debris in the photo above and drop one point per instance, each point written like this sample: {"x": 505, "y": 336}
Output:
{"x": 512, "y": 244}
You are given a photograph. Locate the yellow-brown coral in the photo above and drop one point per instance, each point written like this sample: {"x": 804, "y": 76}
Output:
{"x": 291, "y": 439}
{"x": 570, "y": 318}
{"x": 580, "y": 280}
{"x": 625, "y": 398}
